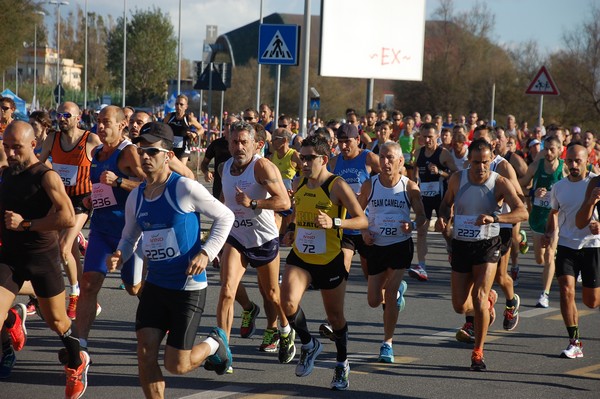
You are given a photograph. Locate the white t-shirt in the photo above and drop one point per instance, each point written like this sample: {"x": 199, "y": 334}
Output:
{"x": 567, "y": 197}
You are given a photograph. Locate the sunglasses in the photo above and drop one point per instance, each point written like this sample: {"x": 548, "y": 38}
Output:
{"x": 150, "y": 151}
{"x": 397, "y": 119}
{"x": 65, "y": 115}
{"x": 5, "y": 108}
{"x": 283, "y": 126}
{"x": 309, "y": 158}
{"x": 248, "y": 118}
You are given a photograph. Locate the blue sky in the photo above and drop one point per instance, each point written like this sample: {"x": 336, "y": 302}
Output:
{"x": 517, "y": 21}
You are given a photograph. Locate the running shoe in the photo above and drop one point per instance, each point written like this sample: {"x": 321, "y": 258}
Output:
{"x": 511, "y": 315}
{"x": 18, "y": 332}
{"x": 222, "y": 359}
{"x": 82, "y": 242}
{"x": 579, "y": 280}
{"x": 400, "y": 301}
{"x": 7, "y": 363}
{"x": 72, "y": 307}
{"x": 492, "y": 298}
{"x": 287, "y": 348}
{"x": 122, "y": 286}
{"x": 523, "y": 246}
{"x": 340, "y": 378}
{"x": 77, "y": 378}
{"x": 307, "y": 359}
{"x": 386, "y": 353}
{"x": 477, "y": 363}
{"x": 326, "y": 331}
{"x": 543, "y": 302}
{"x": 514, "y": 274}
{"x": 270, "y": 342}
{"x": 418, "y": 272}
{"x": 31, "y": 308}
{"x": 98, "y": 309}
{"x": 574, "y": 350}
{"x": 248, "y": 321}
{"x": 466, "y": 333}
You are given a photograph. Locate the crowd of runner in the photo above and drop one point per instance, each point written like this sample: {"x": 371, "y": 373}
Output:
{"x": 366, "y": 185}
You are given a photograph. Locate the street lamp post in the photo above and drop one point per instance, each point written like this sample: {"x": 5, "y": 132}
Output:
{"x": 34, "y": 100}
{"x": 124, "y": 50}
{"x": 85, "y": 59}
{"x": 58, "y": 4}
{"x": 179, "y": 54}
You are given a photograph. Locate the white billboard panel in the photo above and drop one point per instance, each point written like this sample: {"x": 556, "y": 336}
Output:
{"x": 380, "y": 39}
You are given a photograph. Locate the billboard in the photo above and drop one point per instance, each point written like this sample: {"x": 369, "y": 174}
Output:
{"x": 380, "y": 39}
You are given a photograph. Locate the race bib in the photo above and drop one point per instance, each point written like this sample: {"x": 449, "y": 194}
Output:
{"x": 430, "y": 189}
{"x": 177, "y": 141}
{"x": 466, "y": 230}
{"x": 67, "y": 173}
{"x": 385, "y": 225}
{"x": 310, "y": 241}
{"x": 102, "y": 196}
{"x": 160, "y": 244}
{"x": 543, "y": 202}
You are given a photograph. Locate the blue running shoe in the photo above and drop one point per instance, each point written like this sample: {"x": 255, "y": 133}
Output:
{"x": 386, "y": 353}
{"x": 400, "y": 301}
{"x": 222, "y": 359}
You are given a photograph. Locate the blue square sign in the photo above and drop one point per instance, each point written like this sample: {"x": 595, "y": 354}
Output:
{"x": 278, "y": 44}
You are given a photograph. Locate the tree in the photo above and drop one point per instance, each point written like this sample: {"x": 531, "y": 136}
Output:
{"x": 18, "y": 24}
{"x": 576, "y": 70}
{"x": 151, "y": 55}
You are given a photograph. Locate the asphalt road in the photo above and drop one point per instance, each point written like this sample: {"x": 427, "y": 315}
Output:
{"x": 524, "y": 363}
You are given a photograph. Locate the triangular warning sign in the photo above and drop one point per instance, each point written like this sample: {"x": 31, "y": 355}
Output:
{"x": 277, "y": 49}
{"x": 542, "y": 84}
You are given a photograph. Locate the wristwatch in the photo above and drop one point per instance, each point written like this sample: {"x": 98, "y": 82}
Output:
{"x": 119, "y": 181}
{"x": 495, "y": 216}
{"x": 253, "y": 204}
{"x": 337, "y": 223}
{"x": 26, "y": 225}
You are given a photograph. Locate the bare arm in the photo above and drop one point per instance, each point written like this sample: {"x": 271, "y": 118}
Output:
{"x": 448, "y": 161}
{"x": 414, "y": 194}
{"x": 586, "y": 211}
{"x": 373, "y": 162}
{"x": 525, "y": 180}
{"x": 177, "y": 166}
{"x": 267, "y": 174}
{"x": 506, "y": 189}
{"x": 342, "y": 194}
{"x": 506, "y": 170}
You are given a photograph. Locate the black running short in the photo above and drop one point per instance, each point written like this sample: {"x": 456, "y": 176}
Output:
{"x": 323, "y": 277}
{"x": 431, "y": 204}
{"x": 356, "y": 243}
{"x": 43, "y": 269}
{"x": 466, "y": 254}
{"x": 77, "y": 201}
{"x": 395, "y": 256}
{"x": 505, "y": 240}
{"x": 178, "y": 312}
{"x": 569, "y": 262}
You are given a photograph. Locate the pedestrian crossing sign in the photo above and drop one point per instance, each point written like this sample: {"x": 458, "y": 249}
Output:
{"x": 278, "y": 44}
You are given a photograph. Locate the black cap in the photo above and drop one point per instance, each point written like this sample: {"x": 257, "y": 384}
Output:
{"x": 153, "y": 132}
{"x": 347, "y": 131}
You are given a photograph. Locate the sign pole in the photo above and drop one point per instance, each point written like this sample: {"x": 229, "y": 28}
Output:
{"x": 541, "y": 109}
{"x": 493, "y": 103}
{"x": 305, "y": 70}
{"x": 210, "y": 71}
{"x": 277, "y": 92}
